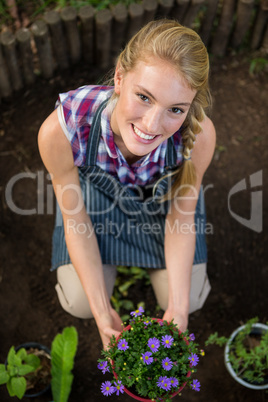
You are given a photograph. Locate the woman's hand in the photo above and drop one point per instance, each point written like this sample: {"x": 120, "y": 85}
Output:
{"x": 180, "y": 319}
{"x": 108, "y": 325}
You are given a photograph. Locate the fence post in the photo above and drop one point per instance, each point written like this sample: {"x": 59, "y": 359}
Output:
{"x": 8, "y": 41}
{"x": 69, "y": 18}
{"x": 23, "y": 37}
{"x": 264, "y": 45}
{"x": 222, "y": 34}
{"x": 86, "y": 16}
{"x": 43, "y": 45}
{"x": 119, "y": 26}
{"x": 207, "y": 23}
{"x": 179, "y": 10}
{"x": 149, "y": 10}
{"x": 53, "y": 20}
{"x": 192, "y": 12}
{"x": 103, "y": 19}
{"x": 164, "y": 8}
{"x": 5, "y": 87}
{"x": 135, "y": 12}
{"x": 260, "y": 25}
{"x": 244, "y": 14}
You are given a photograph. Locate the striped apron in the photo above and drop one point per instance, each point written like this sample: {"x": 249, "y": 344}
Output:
{"x": 129, "y": 223}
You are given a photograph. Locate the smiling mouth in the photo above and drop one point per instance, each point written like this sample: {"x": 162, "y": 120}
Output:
{"x": 142, "y": 135}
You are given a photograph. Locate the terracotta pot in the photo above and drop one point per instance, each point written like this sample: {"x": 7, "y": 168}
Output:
{"x": 139, "y": 398}
{"x": 256, "y": 329}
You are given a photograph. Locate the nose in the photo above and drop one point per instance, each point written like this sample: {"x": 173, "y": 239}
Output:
{"x": 152, "y": 120}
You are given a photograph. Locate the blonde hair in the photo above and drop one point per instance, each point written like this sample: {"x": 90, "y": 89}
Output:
{"x": 183, "y": 48}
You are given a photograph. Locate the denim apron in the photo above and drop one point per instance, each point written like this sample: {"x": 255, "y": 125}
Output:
{"x": 129, "y": 223}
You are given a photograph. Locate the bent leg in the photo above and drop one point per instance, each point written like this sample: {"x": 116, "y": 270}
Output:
{"x": 71, "y": 294}
{"x": 200, "y": 286}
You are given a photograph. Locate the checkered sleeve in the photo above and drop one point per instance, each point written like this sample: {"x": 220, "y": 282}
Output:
{"x": 75, "y": 112}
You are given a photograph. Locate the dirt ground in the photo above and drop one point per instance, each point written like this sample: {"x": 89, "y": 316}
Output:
{"x": 238, "y": 268}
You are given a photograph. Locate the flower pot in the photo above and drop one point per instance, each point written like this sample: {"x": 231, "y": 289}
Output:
{"x": 142, "y": 399}
{"x": 257, "y": 329}
{"x": 41, "y": 384}
{"x": 139, "y": 398}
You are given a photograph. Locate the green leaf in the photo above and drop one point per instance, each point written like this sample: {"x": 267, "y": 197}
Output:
{"x": 12, "y": 358}
{"x": 62, "y": 360}
{"x": 127, "y": 305}
{"x": 13, "y": 370}
{"x": 18, "y": 385}
{"x": 123, "y": 270}
{"x": 9, "y": 388}
{"x": 32, "y": 360}
{"x": 25, "y": 369}
{"x": 123, "y": 288}
{"x": 124, "y": 317}
{"x": 4, "y": 376}
{"x": 22, "y": 354}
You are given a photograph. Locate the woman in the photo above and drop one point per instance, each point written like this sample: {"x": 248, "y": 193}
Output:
{"x": 127, "y": 164}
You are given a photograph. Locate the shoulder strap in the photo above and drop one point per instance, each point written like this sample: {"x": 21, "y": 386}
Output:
{"x": 171, "y": 156}
{"x": 94, "y": 135}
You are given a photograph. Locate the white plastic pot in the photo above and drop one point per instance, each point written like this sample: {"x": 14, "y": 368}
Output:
{"x": 256, "y": 329}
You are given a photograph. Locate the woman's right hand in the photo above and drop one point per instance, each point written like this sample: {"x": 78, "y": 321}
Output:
{"x": 108, "y": 325}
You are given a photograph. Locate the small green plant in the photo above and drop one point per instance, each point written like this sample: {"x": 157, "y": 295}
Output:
{"x": 248, "y": 353}
{"x": 151, "y": 357}
{"x": 14, "y": 373}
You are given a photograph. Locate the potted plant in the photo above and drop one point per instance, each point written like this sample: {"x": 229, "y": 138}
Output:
{"x": 27, "y": 370}
{"x": 31, "y": 365}
{"x": 245, "y": 354}
{"x": 150, "y": 360}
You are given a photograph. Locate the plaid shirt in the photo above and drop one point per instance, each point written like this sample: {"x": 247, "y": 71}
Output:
{"x": 76, "y": 112}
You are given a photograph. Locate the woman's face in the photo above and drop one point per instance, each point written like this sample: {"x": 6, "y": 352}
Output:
{"x": 153, "y": 103}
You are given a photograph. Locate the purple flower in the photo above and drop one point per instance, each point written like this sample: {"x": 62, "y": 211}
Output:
{"x": 147, "y": 357}
{"x": 153, "y": 344}
{"x": 103, "y": 366}
{"x": 107, "y": 388}
{"x": 147, "y": 322}
{"x": 122, "y": 345}
{"x": 118, "y": 387}
{"x": 138, "y": 312}
{"x": 191, "y": 337}
{"x": 174, "y": 382}
{"x": 194, "y": 359}
{"x": 164, "y": 383}
{"x": 167, "y": 364}
{"x": 195, "y": 385}
{"x": 167, "y": 341}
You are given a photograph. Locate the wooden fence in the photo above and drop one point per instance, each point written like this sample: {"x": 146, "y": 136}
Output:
{"x": 63, "y": 38}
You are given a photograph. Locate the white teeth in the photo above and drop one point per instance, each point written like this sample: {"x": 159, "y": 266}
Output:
{"x": 144, "y": 136}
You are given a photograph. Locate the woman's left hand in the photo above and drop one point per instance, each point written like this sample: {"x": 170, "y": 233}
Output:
{"x": 180, "y": 319}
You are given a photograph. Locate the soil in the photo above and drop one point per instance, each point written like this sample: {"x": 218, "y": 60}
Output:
{"x": 237, "y": 264}
{"x": 39, "y": 380}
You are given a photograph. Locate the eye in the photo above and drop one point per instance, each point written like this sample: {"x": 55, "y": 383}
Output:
{"x": 144, "y": 98}
{"x": 176, "y": 110}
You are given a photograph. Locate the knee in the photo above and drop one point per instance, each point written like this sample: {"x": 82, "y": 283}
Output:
{"x": 71, "y": 294}
{"x": 200, "y": 287}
